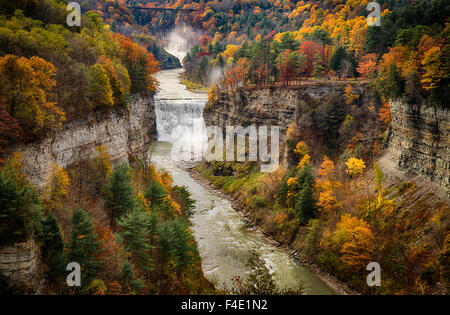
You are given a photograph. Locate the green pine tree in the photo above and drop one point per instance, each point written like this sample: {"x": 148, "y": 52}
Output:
{"x": 128, "y": 280}
{"x": 83, "y": 246}
{"x": 19, "y": 208}
{"x": 119, "y": 192}
{"x": 183, "y": 197}
{"x": 305, "y": 205}
{"x": 135, "y": 237}
{"x": 53, "y": 247}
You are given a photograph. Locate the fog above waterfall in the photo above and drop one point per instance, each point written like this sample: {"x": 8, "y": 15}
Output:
{"x": 180, "y": 40}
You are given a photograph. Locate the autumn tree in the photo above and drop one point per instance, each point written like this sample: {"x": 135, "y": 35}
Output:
{"x": 101, "y": 165}
{"x": 355, "y": 167}
{"x": 356, "y": 241}
{"x": 313, "y": 54}
{"x": 350, "y": 98}
{"x": 326, "y": 185}
{"x": 117, "y": 87}
{"x": 289, "y": 63}
{"x": 100, "y": 92}
{"x": 141, "y": 65}
{"x": 56, "y": 189}
{"x": 368, "y": 65}
{"x": 27, "y": 85}
{"x": 10, "y": 129}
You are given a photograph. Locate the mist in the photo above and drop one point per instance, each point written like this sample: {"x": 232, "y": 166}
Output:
{"x": 180, "y": 40}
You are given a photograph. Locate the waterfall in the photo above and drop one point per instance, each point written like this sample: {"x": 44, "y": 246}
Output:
{"x": 177, "y": 119}
{"x": 179, "y": 116}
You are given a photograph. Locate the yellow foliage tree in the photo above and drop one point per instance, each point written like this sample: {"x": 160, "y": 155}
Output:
{"x": 356, "y": 241}
{"x": 56, "y": 189}
{"x": 301, "y": 148}
{"x": 355, "y": 167}
{"x": 350, "y": 98}
{"x": 102, "y": 166}
{"x": 304, "y": 161}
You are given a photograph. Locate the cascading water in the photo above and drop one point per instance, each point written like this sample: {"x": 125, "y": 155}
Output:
{"x": 176, "y": 119}
{"x": 223, "y": 241}
{"x": 179, "y": 116}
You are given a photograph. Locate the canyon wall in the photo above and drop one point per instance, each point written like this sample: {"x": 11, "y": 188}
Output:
{"x": 277, "y": 106}
{"x": 20, "y": 263}
{"x": 271, "y": 106}
{"x": 419, "y": 138}
{"x": 126, "y": 133}
{"x": 420, "y": 141}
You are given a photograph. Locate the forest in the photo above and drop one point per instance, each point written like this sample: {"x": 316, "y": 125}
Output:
{"x": 93, "y": 213}
{"x": 129, "y": 225}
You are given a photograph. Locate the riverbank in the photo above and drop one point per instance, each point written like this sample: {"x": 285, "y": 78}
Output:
{"x": 192, "y": 86}
{"x": 336, "y": 285}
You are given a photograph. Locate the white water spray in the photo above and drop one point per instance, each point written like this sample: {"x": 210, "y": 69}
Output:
{"x": 180, "y": 40}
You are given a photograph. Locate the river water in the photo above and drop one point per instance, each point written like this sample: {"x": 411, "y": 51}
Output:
{"x": 223, "y": 240}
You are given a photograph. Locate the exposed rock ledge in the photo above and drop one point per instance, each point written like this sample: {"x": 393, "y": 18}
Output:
{"x": 20, "y": 264}
{"x": 126, "y": 134}
{"x": 420, "y": 141}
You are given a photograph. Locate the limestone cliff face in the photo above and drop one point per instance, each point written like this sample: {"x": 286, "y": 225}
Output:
{"x": 126, "y": 133}
{"x": 20, "y": 264}
{"x": 275, "y": 107}
{"x": 270, "y": 106}
{"x": 420, "y": 141}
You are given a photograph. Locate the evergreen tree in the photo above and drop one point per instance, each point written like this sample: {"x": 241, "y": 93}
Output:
{"x": 390, "y": 84}
{"x": 176, "y": 242}
{"x": 83, "y": 246}
{"x": 119, "y": 192}
{"x": 330, "y": 117}
{"x": 183, "y": 197}
{"x": 134, "y": 237}
{"x": 52, "y": 247}
{"x": 156, "y": 194}
{"x": 129, "y": 281}
{"x": 19, "y": 208}
{"x": 305, "y": 205}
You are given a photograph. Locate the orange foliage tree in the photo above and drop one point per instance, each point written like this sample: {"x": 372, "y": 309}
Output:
{"x": 26, "y": 87}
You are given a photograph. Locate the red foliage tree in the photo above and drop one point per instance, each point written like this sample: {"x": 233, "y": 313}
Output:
{"x": 10, "y": 129}
{"x": 309, "y": 49}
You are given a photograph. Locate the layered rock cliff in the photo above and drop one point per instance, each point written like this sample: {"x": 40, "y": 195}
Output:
{"x": 282, "y": 107}
{"x": 126, "y": 133}
{"x": 420, "y": 141}
{"x": 271, "y": 106}
{"x": 20, "y": 263}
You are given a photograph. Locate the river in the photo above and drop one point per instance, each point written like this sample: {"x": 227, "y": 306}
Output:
{"x": 223, "y": 240}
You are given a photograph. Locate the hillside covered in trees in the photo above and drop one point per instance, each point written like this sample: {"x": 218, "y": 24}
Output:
{"x": 332, "y": 203}
{"x": 127, "y": 226}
